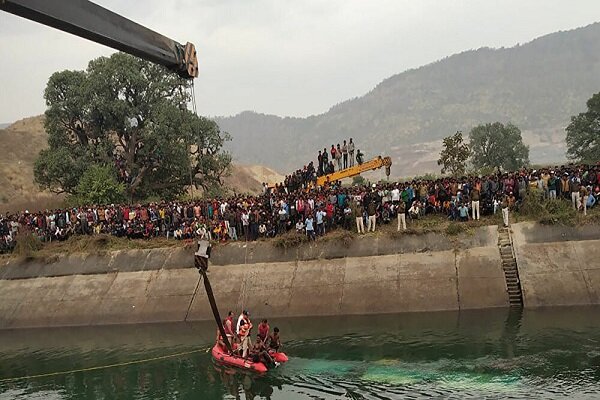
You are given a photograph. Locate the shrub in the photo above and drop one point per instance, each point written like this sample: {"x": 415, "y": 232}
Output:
{"x": 456, "y": 228}
{"x": 27, "y": 245}
{"x": 547, "y": 211}
{"x": 289, "y": 240}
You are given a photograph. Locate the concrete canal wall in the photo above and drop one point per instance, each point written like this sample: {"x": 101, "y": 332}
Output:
{"x": 371, "y": 274}
{"x": 558, "y": 266}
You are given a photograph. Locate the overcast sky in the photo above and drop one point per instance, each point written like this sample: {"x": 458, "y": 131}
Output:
{"x": 292, "y": 58}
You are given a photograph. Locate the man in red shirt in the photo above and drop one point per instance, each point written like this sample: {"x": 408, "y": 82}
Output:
{"x": 263, "y": 330}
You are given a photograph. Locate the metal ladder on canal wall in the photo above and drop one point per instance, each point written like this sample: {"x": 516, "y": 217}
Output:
{"x": 509, "y": 266}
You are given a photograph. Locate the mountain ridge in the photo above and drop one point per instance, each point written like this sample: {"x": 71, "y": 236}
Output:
{"x": 537, "y": 85}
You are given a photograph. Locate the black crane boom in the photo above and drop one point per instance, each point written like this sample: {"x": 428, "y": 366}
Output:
{"x": 91, "y": 21}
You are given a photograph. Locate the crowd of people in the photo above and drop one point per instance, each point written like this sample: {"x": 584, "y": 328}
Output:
{"x": 291, "y": 206}
{"x": 342, "y": 157}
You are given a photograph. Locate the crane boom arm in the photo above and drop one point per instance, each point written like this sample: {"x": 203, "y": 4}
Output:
{"x": 373, "y": 164}
{"x": 91, "y": 21}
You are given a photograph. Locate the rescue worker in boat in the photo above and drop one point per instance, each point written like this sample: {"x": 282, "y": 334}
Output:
{"x": 275, "y": 340}
{"x": 220, "y": 342}
{"x": 228, "y": 326}
{"x": 263, "y": 330}
{"x": 244, "y": 334}
{"x": 259, "y": 353}
{"x": 245, "y": 315}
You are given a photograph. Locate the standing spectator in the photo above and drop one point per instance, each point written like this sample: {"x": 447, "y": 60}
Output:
{"x": 320, "y": 160}
{"x": 359, "y": 210}
{"x": 475, "y": 202}
{"x": 552, "y": 185}
{"x": 591, "y": 200}
{"x": 325, "y": 161}
{"x": 583, "y": 196}
{"x": 282, "y": 227}
{"x": 310, "y": 229}
{"x": 372, "y": 211}
{"x": 246, "y": 224}
{"x": 401, "y": 215}
{"x": 564, "y": 186}
{"x": 338, "y": 157}
{"x": 320, "y": 222}
{"x": 505, "y": 210}
{"x": 463, "y": 212}
{"x": 345, "y": 154}
{"x": 351, "y": 152}
{"x": 574, "y": 186}
{"x": 332, "y": 151}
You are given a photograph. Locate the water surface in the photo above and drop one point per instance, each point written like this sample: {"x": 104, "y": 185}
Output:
{"x": 479, "y": 354}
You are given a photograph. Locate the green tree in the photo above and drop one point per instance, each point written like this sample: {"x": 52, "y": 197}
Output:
{"x": 583, "y": 133}
{"x": 498, "y": 146}
{"x": 98, "y": 185}
{"x": 454, "y": 155}
{"x": 131, "y": 115}
{"x": 359, "y": 180}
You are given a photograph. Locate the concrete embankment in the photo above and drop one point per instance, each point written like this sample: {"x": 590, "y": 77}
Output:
{"x": 371, "y": 274}
{"x": 558, "y": 266}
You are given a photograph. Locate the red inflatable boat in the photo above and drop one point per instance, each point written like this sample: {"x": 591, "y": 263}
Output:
{"x": 235, "y": 361}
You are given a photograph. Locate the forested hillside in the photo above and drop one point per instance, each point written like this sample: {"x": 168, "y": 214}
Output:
{"x": 537, "y": 86}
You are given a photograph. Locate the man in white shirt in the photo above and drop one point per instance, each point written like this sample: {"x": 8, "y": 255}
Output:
{"x": 246, "y": 224}
{"x": 395, "y": 195}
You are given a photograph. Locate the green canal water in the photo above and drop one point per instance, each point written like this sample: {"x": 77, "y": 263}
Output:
{"x": 480, "y": 354}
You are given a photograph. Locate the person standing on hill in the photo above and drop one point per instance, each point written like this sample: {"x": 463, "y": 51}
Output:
{"x": 338, "y": 157}
{"x": 345, "y": 154}
{"x": 351, "y": 152}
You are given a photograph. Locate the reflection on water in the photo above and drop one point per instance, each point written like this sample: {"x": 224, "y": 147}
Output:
{"x": 492, "y": 353}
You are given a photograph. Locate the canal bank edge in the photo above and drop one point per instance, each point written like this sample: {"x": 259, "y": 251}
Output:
{"x": 370, "y": 274}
